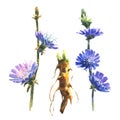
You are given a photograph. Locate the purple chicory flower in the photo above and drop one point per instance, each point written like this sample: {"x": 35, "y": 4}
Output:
{"x": 22, "y": 73}
{"x": 98, "y": 80}
{"x": 90, "y": 33}
{"x": 88, "y": 59}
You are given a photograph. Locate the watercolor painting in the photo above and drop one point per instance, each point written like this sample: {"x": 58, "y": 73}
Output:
{"x": 59, "y": 59}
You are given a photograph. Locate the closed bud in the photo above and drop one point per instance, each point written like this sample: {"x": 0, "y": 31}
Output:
{"x": 36, "y": 11}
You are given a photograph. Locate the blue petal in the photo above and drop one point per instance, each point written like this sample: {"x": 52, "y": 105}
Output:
{"x": 100, "y": 75}
{"x": 17, "y": 80}
{"x": 104, "y": 79}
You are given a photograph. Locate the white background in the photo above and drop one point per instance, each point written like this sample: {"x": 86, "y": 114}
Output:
{"x": 61, "y": 19}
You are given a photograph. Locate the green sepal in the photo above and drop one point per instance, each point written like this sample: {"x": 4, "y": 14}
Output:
{"x": 28, "y": 88}
{"x": 41, "y": 49}
{"x": 92, "y": 87}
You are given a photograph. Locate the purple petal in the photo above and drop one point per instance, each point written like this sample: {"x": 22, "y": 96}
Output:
{"x": 12, "y": 75}
{"x": 13, "y": 70}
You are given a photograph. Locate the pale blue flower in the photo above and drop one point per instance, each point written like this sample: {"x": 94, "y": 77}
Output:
{"x": 46, "y": 41}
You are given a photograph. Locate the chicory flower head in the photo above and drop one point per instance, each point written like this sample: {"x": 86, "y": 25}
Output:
{"x": 88, "y": 59}
{"x": 99, "y": 82}
{"x": 46, "y": 41}
{"x": 90, "y": 33}
{"x": 22, "y": 73}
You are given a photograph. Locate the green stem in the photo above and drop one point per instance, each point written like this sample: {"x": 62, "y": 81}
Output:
{"x": 36, "y": 17}
{"x": 37, "y": 24}
{"x": 88, "y": 45}
{"x": 92, "y": 87}
{"x": 90, "y": 72}
{"x": 92, "y": 99}
{"x": 31, "y": 96}
{"x": 38, "y": 44}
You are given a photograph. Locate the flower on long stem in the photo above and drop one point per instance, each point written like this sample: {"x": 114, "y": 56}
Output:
{"x": 90, "y": 33}
{"x": 46, "y": 42}
{"x": 26, "y": 74}
{"x": 98, "y": 80}
{"x": 88, "y": 59}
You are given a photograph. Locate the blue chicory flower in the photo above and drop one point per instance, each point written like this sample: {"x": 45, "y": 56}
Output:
{"x": 23, "y": 72}
{"x": 45, "y": 41}
{"x": 98, "y": 81}
{"x": 88, "y": 59}
{"x": 90, "y": 33}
